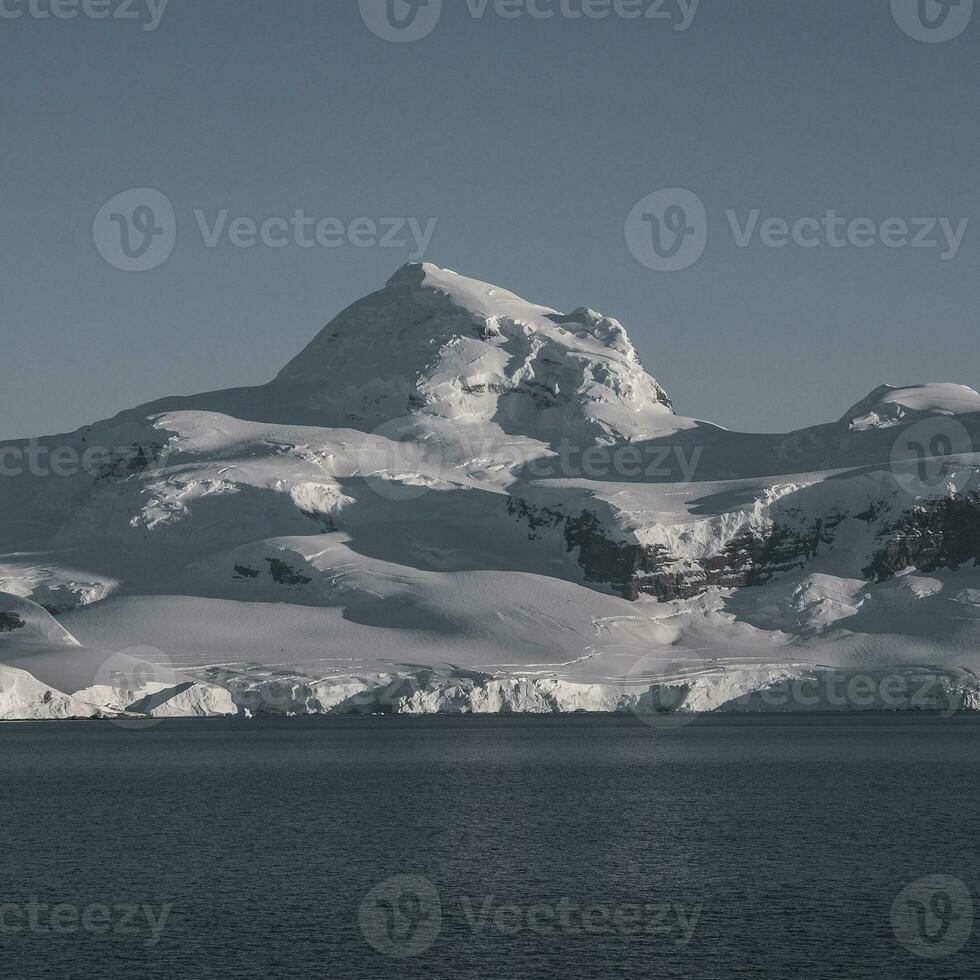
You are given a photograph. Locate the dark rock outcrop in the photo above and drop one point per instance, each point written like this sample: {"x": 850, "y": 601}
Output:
{"x": 752, "y": 557}
{"x": 10, "y": 621}
{"x": 941, "y": 534}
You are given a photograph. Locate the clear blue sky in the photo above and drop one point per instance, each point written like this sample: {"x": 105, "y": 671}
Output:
{"x": 529, "y": 140}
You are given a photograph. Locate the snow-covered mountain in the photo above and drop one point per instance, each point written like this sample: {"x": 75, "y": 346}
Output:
{"x": 455, "y": 500}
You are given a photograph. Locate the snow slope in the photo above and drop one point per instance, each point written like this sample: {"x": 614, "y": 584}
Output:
{"x": 888, "y": 406}
{"x": 455, "y": 500}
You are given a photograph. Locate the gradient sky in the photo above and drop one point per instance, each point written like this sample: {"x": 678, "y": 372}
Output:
{"x": 530, "y": 141}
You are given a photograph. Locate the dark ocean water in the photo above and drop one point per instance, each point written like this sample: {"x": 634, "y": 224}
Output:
{"x": 571, "y": 847}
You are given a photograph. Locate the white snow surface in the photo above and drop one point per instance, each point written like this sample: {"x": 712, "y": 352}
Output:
{"x": 888, "y": 406}
{"x": 383, "y": 527}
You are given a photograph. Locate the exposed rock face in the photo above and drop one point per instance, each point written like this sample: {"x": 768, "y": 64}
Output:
{"x": 942, "y": 533}
{"x": 939, "y": 534}
{"x": 132, "y": 459}
{"x": 10, "y": 621}
{"x": 752, "y": 556}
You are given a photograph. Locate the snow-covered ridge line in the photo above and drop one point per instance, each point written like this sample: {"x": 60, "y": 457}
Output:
{"x": 448, "y": 473}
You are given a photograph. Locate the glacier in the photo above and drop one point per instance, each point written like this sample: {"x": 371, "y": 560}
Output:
{"x": 454, "y": 500}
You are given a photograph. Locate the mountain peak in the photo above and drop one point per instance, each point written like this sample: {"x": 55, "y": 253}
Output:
{"x": 889, "y": 405}
{"x": 482, "y": 299}
{"x": 410, "y": 272}
{"x": 437, "y": 343}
